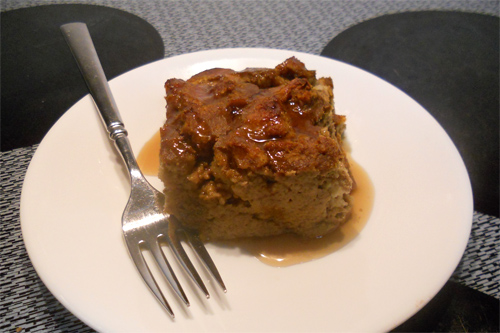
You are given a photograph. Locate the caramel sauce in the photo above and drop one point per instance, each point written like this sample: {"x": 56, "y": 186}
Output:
{"x": 149, "y": 156}
{"x": 287, "y": 250}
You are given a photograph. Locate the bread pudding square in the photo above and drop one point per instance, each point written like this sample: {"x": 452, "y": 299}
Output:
{"x": 255, "y": 153}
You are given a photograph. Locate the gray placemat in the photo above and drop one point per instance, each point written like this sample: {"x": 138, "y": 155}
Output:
{"x": 480, "y": 264}
{"x": 300, "y": 25}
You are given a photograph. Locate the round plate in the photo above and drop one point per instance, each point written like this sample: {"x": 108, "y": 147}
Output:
{"x": 76, "y": 188}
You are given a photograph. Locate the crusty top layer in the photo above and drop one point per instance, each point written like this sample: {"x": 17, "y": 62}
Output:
{"x": 265, "y": 121}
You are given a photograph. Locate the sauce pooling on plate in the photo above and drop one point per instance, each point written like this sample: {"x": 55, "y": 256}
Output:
{"x": 149, "y": 156}
{"x": 288, "y": 249}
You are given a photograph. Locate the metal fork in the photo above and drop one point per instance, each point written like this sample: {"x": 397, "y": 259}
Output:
{"x": 145, "y": 224}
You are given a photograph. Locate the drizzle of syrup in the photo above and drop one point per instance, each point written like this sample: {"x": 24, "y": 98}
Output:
{"x": 287, "y": 250}
{"x": 149, "y": 156}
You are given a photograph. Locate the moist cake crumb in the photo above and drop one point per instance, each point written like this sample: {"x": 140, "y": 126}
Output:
{"x": 255, "y": 153}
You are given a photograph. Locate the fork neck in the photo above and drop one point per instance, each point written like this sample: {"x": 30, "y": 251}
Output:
{"x": 122, "y": 143}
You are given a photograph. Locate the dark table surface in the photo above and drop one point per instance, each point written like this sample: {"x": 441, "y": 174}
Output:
{"x": 443, "y": 54}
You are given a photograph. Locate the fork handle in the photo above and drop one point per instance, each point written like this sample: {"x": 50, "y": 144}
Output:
{"x": 78, "y": 38}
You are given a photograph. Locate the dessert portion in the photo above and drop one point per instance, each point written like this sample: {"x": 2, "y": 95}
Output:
{"x": 255, "y": 153}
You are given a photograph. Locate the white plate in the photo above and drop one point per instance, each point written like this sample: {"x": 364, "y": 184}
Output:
{"x": 76, "y": 188}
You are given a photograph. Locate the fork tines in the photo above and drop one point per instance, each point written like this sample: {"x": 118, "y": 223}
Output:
{"x": 173, "y": 238}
